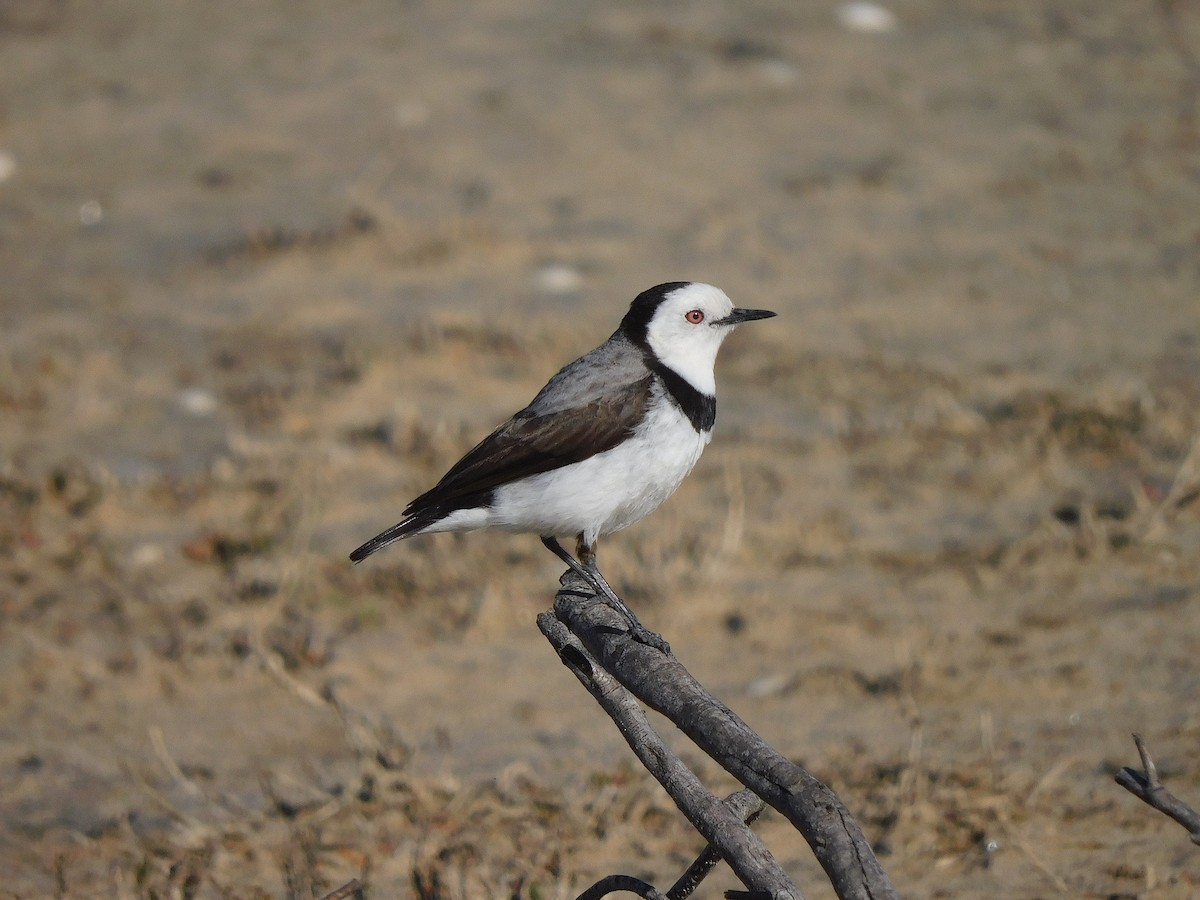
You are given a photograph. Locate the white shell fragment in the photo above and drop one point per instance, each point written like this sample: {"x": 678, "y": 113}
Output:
{"x": 866, "y": 16}
{"x": 557, "y": 278}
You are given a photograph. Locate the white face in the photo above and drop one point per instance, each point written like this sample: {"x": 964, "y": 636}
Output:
{"x": 683, "y": 335}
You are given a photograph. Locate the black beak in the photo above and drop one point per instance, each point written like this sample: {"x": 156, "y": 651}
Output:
{"x": 744, "y": 315}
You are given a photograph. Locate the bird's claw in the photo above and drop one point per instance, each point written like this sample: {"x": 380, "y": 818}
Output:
{"x": 644, "y": 635}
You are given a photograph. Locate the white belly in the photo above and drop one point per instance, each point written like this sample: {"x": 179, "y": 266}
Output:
{"x": 608, "y": 491}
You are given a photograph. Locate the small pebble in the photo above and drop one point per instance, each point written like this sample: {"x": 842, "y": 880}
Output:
{"x": 197, "y": 402}
{"x": 557, "y": 278}
{"x": 91, "y": 213}
{"x": 865, "y": 16}
{"x": 411, "y": 113}
{"x": 768, "y": 686}
{"x": 8, "y": 165}
{"x": 778, "y": 72}
{"x": 146, "y": 555}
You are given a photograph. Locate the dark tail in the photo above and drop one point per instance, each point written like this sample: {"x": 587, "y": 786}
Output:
{"x": 417, "y": 517}
{"x": 397, "y": 532}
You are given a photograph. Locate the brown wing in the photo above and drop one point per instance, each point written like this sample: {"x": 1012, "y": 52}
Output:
{"x": 528, "y": 444}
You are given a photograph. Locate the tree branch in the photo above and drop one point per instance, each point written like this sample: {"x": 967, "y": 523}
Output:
{"x": 664, "y": 685}
{"x": 717, "y": 822}
{"x": 614, "y": 883}
{"x": 747, "y": 806}
{"x": 351, "y": 890}
{"x": 1146, "y": 786}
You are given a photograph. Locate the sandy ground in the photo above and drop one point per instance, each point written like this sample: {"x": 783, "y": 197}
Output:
{"x": 267, "y": 268}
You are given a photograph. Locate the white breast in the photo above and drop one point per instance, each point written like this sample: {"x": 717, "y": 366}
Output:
{"x": 608, "y": 491}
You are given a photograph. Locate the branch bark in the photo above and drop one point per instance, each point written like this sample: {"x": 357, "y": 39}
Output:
{"x": 724, "y": 829}
{"x": 614, "y": 883}
{"x": 1146, "y": 786}
{"x": 747, "y": 806}
{"x": 663, "y": 684}
{"x": 351, "y": 890}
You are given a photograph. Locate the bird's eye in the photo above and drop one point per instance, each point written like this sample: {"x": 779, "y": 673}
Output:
{"x": 696, "y": 316}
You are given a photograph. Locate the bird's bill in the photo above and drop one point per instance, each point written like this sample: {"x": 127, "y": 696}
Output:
{"x": 745, "y": 315}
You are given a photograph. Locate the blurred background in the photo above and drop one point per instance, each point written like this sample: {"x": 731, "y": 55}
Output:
{"x": 267, "y": 269}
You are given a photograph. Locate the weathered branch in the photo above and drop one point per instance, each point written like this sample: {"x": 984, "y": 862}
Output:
{"x": 723, "y": 828}
{"x": 351, "y": 890}
{"x": 744, "y": 803}
{"x": 663, "y": 684}
{"x": 747, "y": 806}
{"x": 1146, "y": 786}
{"x": 614, "y": 883}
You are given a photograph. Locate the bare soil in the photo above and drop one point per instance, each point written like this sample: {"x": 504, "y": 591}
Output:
{"x": 267, "y": 268}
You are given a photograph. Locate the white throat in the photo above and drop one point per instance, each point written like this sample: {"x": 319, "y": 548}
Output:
{"x": 693, "y": 360}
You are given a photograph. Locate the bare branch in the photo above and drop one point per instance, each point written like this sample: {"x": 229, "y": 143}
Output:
{"x": 747, "y": 806}
{"x": 717, "y": 822}
{"x": 614, "y": 883}
{"x": 1146, "y": 786}
{"x": 664, "y": 685}
{"x": 351, "y": 890}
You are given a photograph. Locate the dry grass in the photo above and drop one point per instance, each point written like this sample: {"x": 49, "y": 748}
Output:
{"x": 1067, "y": 528}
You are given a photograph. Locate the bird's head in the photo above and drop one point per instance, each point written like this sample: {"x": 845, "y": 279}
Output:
{"x": 682, "y": 323}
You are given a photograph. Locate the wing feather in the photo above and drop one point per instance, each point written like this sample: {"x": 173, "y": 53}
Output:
{"x": 529, "y": 444}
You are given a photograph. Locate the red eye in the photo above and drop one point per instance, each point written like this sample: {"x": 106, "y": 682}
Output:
{"x": 696, "y": 316}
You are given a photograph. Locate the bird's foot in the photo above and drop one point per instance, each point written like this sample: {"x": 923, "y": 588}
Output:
{"x": 588, "y": 571}
{"x": 644, "y": 635}
{"x": 637, "y": 630}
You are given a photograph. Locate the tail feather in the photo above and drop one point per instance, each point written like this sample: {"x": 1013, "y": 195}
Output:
{"x": 395, "y": 533}
{"x": 418, "y": 517}
{"x": 405, "y": 528}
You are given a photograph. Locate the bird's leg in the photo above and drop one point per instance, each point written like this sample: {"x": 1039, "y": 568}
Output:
{"x": 585, "y": 567}
{"x": 586, "y": 554}
{"x": 589, "y": 573}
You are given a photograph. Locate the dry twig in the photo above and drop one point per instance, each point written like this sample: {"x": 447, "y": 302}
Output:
{"x": 605, "y": 655}
{"x": 747, "y": 805}
{"x": 614, "y": 883}
{"x": 351, "y": 890}
{"x": 720, "y": 825}
{"x": 1146, "y": 786}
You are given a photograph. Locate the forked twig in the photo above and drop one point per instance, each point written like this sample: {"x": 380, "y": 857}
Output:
{"x": 1146, "y": 786}
{"x": 663, "y": 684}
{"x": 720, "y": 825}
{"x": 745, "y": 804}
{"x": 351, "y": 890}
{"x": 614, "y": 883}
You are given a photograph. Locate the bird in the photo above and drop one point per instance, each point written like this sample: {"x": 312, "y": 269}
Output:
{"x": 604, "y": 443}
